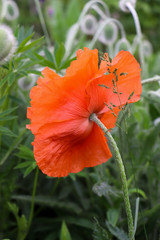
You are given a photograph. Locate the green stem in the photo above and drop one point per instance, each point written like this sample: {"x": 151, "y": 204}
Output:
{"x": 42, "y": 22}
{"x": 94, "y": 118}
{"x": 33, "y": 198}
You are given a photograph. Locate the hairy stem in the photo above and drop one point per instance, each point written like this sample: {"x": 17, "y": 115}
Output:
{"x": 139, "y": 34}
{"x": 94, "y": 118}
{"x": 151, "y": 80}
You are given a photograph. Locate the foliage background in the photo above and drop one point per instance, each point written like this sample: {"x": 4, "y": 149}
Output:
{"x": 88, "y": 205}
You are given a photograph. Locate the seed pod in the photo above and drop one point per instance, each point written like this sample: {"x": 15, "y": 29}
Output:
{"x": 7, "y": 44}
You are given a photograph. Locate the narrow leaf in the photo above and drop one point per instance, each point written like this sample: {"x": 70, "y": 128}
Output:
{"x": 6, "y": 131}
{"x": 65, "y": 235}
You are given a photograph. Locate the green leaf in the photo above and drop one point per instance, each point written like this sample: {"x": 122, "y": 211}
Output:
{"x": 13, "y": 146}
{"x": 60, "y": 54}
{"x": 24, "y": 42}
{"x": 30, "y": 45}
{"x": 48, "y": 55}
{"x": 117, "y": 232}
{"x": 14, "y": 209}
{"x": 7, "y": 132}
{"x": 112, "y": 215}
{"x": 8, "y": 118}
{"x": 34, "y": 72}
{"x": 30, "y": 169}
{"x": 50, "y": 202}
{"x": 65, "y": 235}
{"x": 137, "y": 191}
{"x": 21, "y": 221}
{"x": 8, "y": 111}
{"x": 25, "y": 153}
{"x": 2, "y": 100}
{"x": 99, "y": 232}
{"x": 20, "y": 35}
{"x": 11, "y": 78}
{"x": 22, "y": 227}
{"x": 45, "y": 62}
{"x": 4, "y": 80}
{"x": 24, "y": 164}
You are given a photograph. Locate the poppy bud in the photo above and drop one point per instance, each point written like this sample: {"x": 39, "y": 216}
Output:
{"x": 89, "y": 24}
{"x": 7, "y": 44}
{"x": 9, "y": 10}
{"x": 27, "y": 82}
{"x": 109, "y": 33}
{"x": 122, "y": 44}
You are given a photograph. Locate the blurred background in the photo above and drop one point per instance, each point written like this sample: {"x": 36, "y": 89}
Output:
{"x": 88, "y": 205}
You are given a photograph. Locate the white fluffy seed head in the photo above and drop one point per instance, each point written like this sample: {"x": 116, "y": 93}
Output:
{"x": 8, "y": 43}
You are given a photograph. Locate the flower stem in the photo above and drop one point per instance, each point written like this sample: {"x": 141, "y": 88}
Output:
{"x": 150, "y": 80}
{"x": 33, "y": 198}
{"x": 42, "y": 22}
{"x": 94, "y": 118}
{"x": 139, "y": 35}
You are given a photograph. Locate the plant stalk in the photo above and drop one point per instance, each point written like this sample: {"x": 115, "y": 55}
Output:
{"x": 94, "y": 118}
{"x": 151, "y": 80}
{"x": 42, "y": 22}
{"x": 33, "y": 198}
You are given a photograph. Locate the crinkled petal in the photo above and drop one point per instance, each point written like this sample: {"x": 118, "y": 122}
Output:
{"x": 85, "y": 67}
{"x": 129, "y": 79}
{"x": 104, "y": 89}
{"x": 109, "y": 118}
{"x": 58, "y": 98}
{"x": 61, "y": 156}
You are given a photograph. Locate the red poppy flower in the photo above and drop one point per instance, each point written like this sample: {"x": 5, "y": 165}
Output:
{"x": 66, "y": 140}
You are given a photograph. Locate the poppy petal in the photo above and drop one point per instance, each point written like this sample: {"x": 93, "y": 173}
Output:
{"x": 58, "y": 158}
{"x": 128, "y": 81}
{"x": 59, "y": 104}
{"x": 104, "y": 90}
{"x": 109, "y": 118}
{"x": 86, "y": 64}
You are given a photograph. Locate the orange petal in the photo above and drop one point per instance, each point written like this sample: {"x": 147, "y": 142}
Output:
{"x": 57, "y": 158}
{"x": 125, "y": 63}
{"x": 86, "y": 65}
{"x": 109, "y": 119}
{"x": 58, "y": 98}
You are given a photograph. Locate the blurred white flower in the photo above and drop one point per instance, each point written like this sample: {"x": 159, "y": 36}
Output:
{"x": 8, "y": 43}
